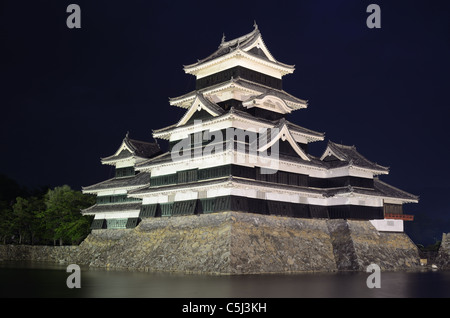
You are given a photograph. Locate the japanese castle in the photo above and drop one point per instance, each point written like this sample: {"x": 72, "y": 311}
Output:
{"x": 235, "y": 150}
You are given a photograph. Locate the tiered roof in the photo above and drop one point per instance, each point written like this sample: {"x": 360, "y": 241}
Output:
{"x": 135, "y": 150}
{"x": 338, "y": 155}
{"x": 310, "y": 135}
{"x": 392, "y": 192}
{"x": 112, "y": 208}
{"x": 132, "y": 148}
{"x": 250, "y": 46}
{"x": 254, "y": 90}
{"x": 142, "y": 179}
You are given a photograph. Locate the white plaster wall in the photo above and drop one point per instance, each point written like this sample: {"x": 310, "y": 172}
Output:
{"x": 111, "y": 192}
{"x": 117, "y": 215}
{"x": 388, "y": 225}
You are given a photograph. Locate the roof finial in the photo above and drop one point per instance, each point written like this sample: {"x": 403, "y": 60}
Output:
{"x": 255, "y": 25}
{"x": 223, "y": 38}
{"x": 126, "y": 136}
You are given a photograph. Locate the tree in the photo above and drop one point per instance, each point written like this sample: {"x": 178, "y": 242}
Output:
{"x": 25, "y": 218}
{"x": 62, "y": 217}
{"x": 6, "y": 223}
{"x": 9, "y": 190}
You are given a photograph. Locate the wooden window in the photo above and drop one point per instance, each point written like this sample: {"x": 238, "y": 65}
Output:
{"x": 279, "y": 208}
{"x": 98, "y": 224}
{"x": 132, "y": 223}
{"x": 239, "y": 204}
{"x": 318, "y": 211}
{"x": 122, "y": 198}
{"x": 393, "y": 208}
{"x": 166, "y": 209}
{"x": 214, "y": 172}
{"x": 184, "y": 207}
{"x": 125, "y": 172}
{"x": 208, "y": 205}
{"x": 293, "y": 179}
{"x": 302, "y": 180}
{"x": 222, "y": 203}
{"x": 187, "y": 176}
{"x": 283, "y": 177}
{"x": 148, "y": 210}
{"x": 300, "y": 210}
{"x": 272, "y": 177}
{"x": 116, "y": 223}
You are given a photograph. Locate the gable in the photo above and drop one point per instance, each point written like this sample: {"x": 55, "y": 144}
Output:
{"x": 330, "y": 155}
{"x": 259, "y": 48}
{"x": 268, "y": 102}
{"x": 284, "y": 135}
{"x": 204, "y": 107}
{"x": 199, "y": 115}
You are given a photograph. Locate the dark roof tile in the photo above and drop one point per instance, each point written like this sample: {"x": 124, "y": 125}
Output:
{"x": 139, "y": 180}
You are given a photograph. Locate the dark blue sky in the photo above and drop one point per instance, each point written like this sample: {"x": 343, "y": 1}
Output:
{"x": 68, "y": 96}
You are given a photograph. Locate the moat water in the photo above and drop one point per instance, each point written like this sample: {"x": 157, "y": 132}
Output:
{"x": 45, "y": 280}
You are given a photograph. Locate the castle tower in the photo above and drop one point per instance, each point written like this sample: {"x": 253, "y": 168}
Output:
{"x": 235, "y": 150}
{"x": 114, "y": 208}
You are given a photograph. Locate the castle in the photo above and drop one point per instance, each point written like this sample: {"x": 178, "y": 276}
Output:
{"x": 235, "y": 150}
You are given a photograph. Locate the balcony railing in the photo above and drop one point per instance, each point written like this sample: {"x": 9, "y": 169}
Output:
{"x": 404, "y": 217}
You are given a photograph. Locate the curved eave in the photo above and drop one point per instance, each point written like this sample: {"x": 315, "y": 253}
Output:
{"x": 398, "y": 194}
{"x": 112, "y": 208}
{"x": 185, "y": 101}
{"x": 281, "y": 67}
{"x": 362, "y": 192}
{"x": 226, "y": 156}
{"x": 113, "y": 162}
{"x": 227, "y": 182}
{"x": 96, "y": 191}
{"x": 347, "y": 165}
{"x": 374, "y": 171}
{"x": 124, "y": 183}
{"x": 149, "y": 163}
{"x": 309, "y": 135}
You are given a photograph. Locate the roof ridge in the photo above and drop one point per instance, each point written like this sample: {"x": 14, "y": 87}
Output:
{"x": 341, "y": 150}
{"x": 239, "y": 39}
{"x": 342, "y": 145}
{"x": 142, "y": 142}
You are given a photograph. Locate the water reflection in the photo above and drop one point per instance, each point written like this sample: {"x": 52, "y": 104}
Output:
{"x": 26, "y": 279}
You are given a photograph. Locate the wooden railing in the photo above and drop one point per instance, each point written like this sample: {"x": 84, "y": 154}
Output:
{"x": 404, "y": 217}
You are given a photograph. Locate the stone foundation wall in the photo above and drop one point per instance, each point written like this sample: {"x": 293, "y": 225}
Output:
{"x": 233, "y": 243}
{"x": 388, "y": 250}
{"x": 443, "y": 258}
{"x": 62, "y": 254}
{"x": 262, "y": 244}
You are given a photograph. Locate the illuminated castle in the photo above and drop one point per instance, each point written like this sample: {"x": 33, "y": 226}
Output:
{"x": 235, "y": 150}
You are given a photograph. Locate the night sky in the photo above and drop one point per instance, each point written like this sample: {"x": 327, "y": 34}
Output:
{"x": 69, "y": 96}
